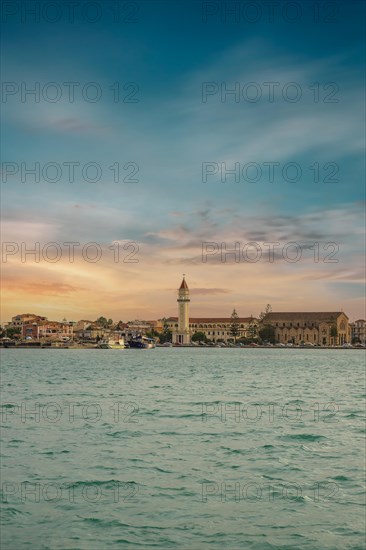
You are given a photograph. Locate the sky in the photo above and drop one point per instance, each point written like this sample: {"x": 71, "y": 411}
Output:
{"x": 160, "y": 136}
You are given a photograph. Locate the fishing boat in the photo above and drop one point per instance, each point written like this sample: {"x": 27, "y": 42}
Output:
{"x": 141, "y": 342}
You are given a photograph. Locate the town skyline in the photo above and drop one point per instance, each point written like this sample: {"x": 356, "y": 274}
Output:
{"x": 193, "y": 312}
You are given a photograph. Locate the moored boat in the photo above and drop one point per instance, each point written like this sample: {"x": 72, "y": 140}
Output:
{"x": 112, "y": 344}
{"x": 141, "y": 342}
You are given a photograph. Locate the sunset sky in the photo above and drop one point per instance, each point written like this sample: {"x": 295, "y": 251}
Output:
{"x": 168, "y": 50}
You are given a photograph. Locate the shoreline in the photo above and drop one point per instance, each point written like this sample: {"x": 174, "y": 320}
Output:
{"x": 310, "y": 348}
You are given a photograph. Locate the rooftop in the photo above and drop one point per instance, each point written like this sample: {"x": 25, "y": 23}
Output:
{"x": 308, "y": 315}
{"x": 198, "y": 320}
{"x": 183, "y": 284}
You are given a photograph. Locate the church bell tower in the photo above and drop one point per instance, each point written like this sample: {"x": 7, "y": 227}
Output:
{"x": 181, "y": 335}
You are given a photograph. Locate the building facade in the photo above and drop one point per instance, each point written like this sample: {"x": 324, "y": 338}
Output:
{"x": 36, "y": 327}
{"x": 19, "y": 320}
{"x": 143, "y": 327}
{"x": 317, "y": 328}
{"x": 47, "y": 330}
{"x": 218, "y": 329}
{"x": 359, "y": 332}
{"x": 91, "y": 332}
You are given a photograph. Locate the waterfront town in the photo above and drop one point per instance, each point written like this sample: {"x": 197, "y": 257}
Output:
{"x": 270, "y": 328}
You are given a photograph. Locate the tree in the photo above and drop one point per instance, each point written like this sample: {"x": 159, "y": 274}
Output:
{"x": 234, "y": 327}
{"x": 252, "y": 329}
{"x": 267, "y": 334}
{"x": 166, "y": 334}
{"x": 110, "y": 322}
{"x": 264, "y": 313}
{"x": 153, "y": 334}
{"x": 12, "y": 332}
{"x": 199, "y": 337}
{"x": 102, "y": 321}
{"x": 334, "y": 334}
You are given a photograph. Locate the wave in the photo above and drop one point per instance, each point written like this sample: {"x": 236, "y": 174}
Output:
{"x": 304, "y": 437}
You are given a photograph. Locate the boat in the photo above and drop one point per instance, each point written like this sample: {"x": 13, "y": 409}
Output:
{"x": 141, "y": 342}
{"x": 112, "y": 344}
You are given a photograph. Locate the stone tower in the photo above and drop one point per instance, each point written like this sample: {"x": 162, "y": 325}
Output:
{"x": 181, "y": 335}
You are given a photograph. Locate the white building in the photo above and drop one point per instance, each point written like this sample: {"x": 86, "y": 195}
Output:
{"x": 359, "y": 331}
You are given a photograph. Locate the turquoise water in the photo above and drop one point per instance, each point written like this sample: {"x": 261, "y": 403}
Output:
{"x": 183, "y": 448}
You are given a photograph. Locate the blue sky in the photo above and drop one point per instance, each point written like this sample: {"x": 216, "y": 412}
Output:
{"x": 169, "y": 52}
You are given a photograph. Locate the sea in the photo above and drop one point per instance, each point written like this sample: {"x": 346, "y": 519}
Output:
{"x": 183, "y": 448}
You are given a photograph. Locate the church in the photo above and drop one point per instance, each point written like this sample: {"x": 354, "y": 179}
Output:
{"x": 215, "y": 328}
{"x": 324, "y": 328}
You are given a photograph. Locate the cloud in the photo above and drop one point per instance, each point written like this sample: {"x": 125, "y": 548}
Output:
{"x": 41, "y": 288}
{"x": 210, "y": 291}
{"x": 19, "y": 230}
{"x": 72, "y": 125}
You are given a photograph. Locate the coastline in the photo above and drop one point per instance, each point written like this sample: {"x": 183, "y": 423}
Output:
{"x": 310, "y": 348}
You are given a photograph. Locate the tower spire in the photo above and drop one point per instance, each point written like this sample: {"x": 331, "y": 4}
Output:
{"x": 183, "y": 283}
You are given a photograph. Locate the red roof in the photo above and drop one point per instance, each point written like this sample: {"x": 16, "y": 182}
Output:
{"x": 200, "y": 320}
{"x": 183, "y": 285}
{"x": 326, "y": 316}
